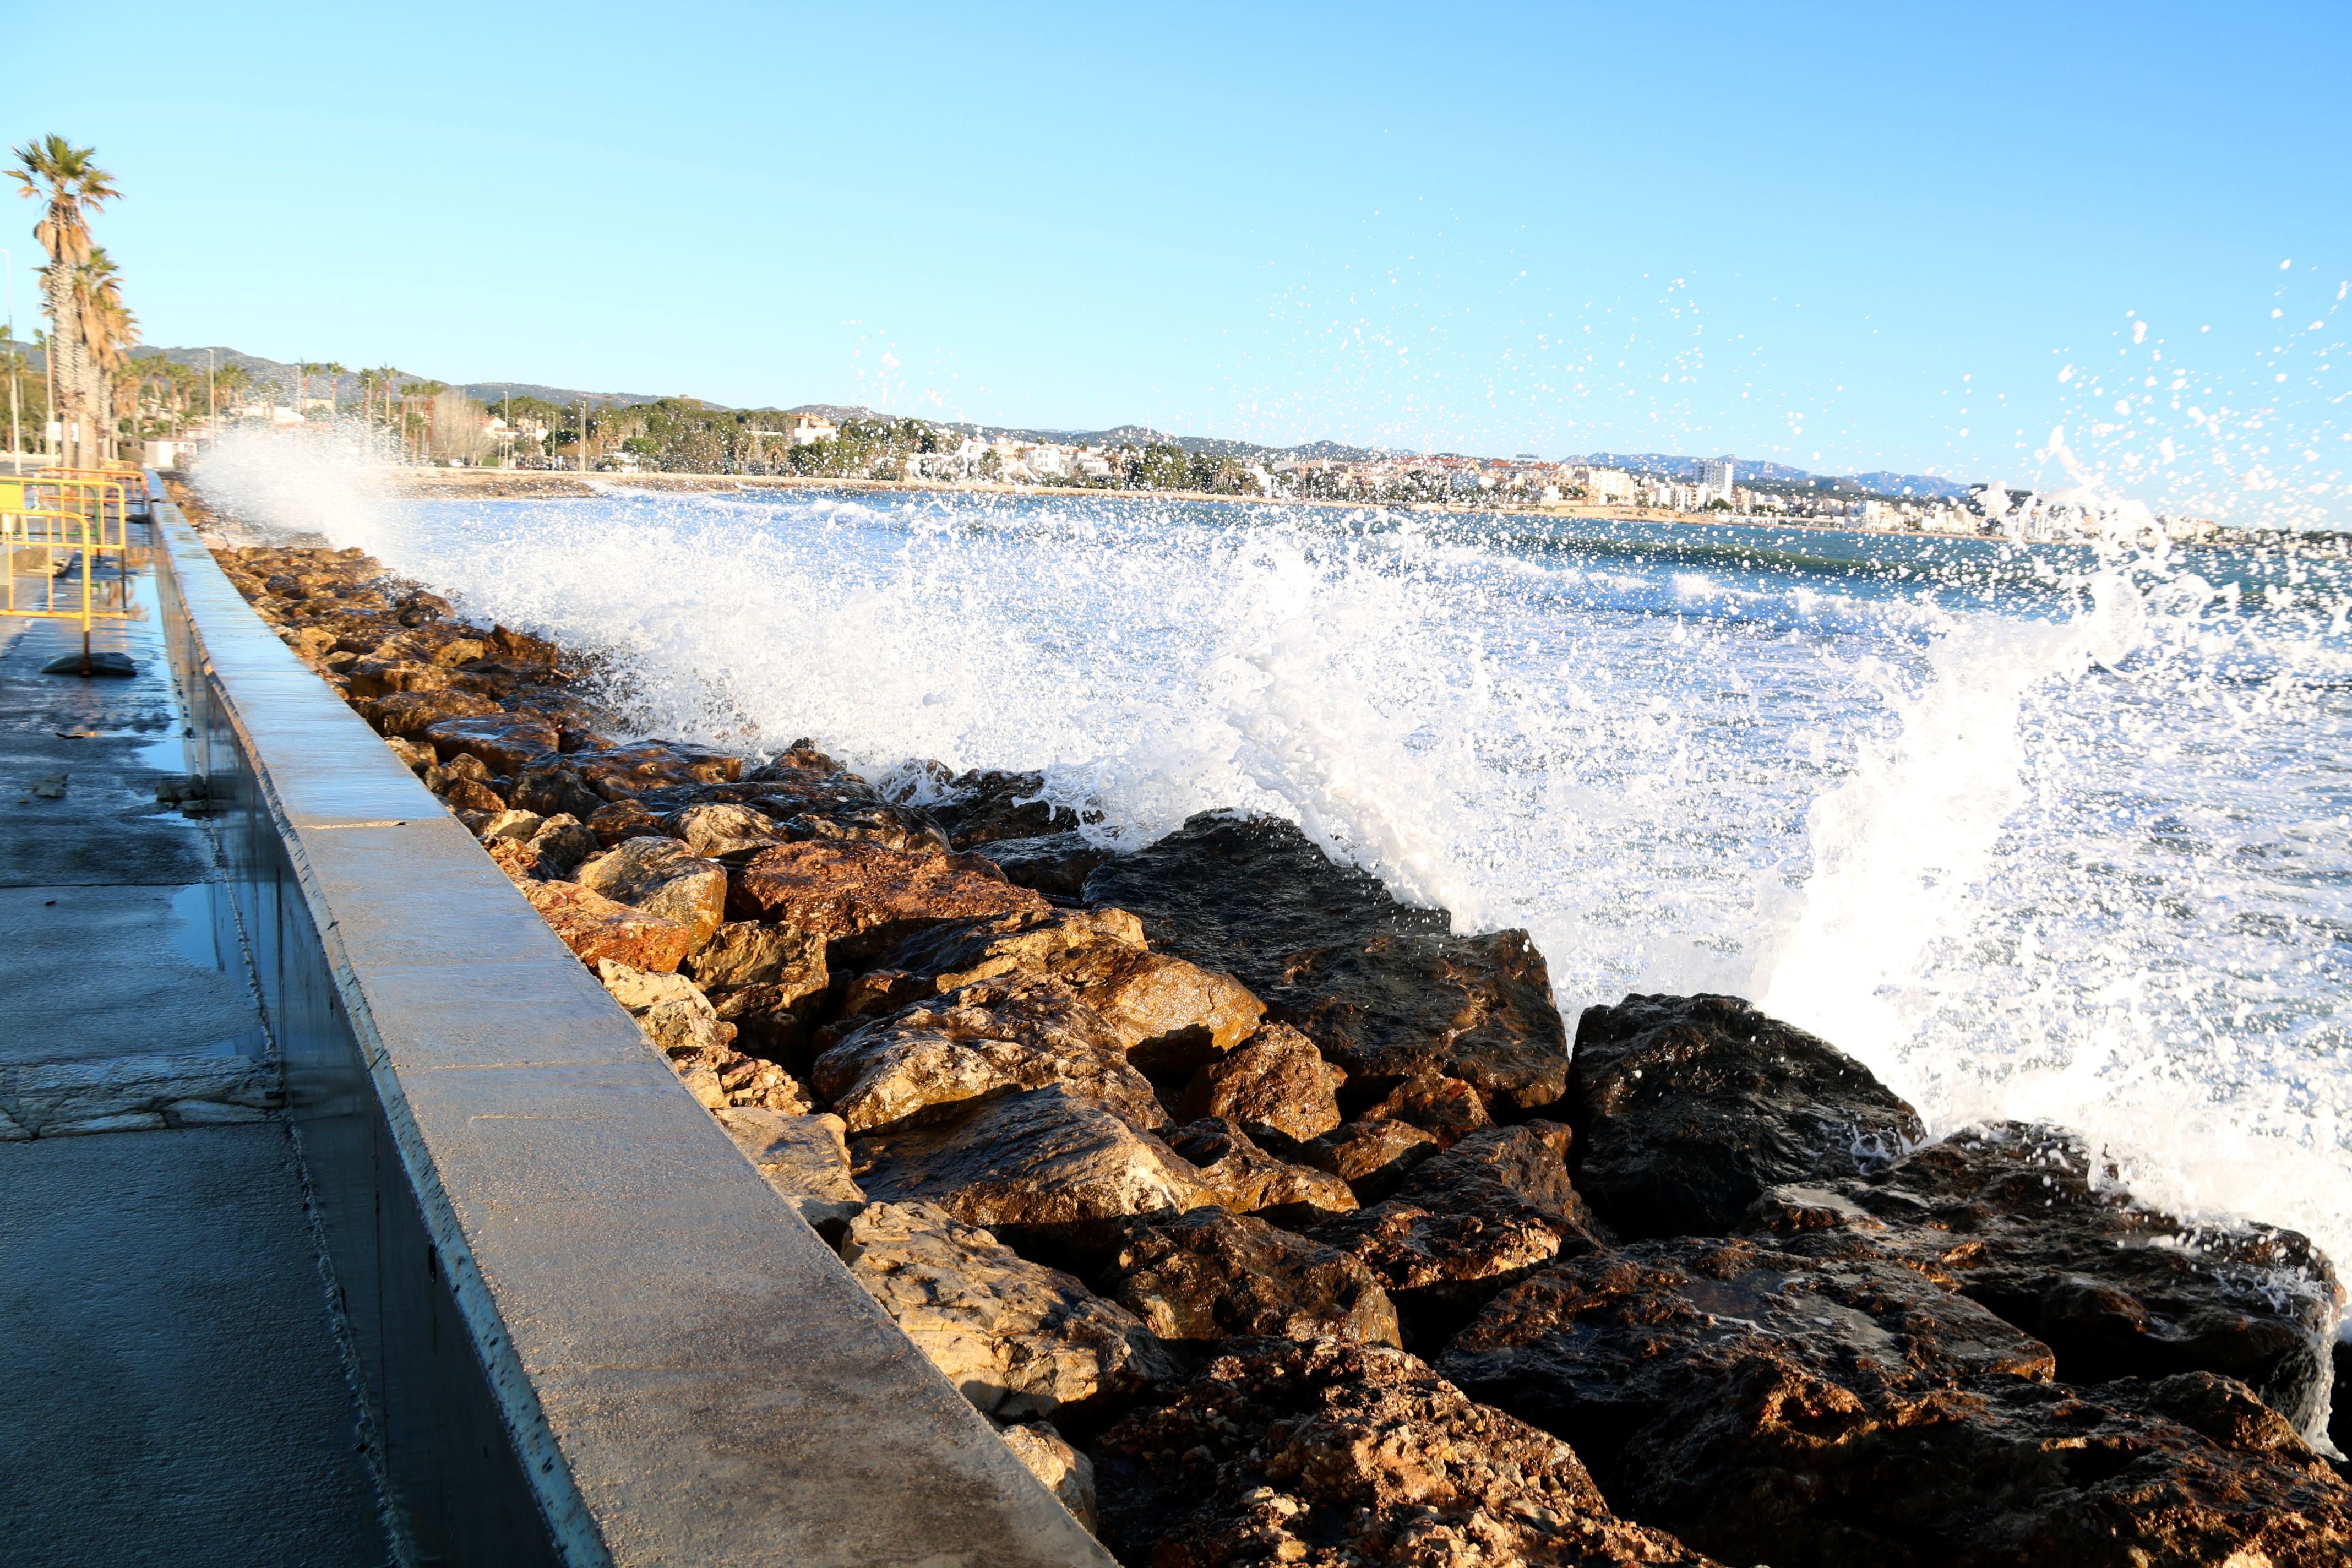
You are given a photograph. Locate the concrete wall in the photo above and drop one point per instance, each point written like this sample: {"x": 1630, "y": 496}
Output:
{"x": 588, "y": 1331}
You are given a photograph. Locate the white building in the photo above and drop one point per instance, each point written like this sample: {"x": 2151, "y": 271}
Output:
{"x": 1715, "y": 476}
{"x": 808, "y": 429}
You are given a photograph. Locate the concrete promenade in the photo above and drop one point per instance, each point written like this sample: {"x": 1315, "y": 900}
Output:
{"x": 171, "y": 1387}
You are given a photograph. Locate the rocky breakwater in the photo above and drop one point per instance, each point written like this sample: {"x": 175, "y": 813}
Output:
{"x": 1271, "y": 1221}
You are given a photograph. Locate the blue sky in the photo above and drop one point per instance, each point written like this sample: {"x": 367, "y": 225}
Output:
{"x": 1877, "y": 234}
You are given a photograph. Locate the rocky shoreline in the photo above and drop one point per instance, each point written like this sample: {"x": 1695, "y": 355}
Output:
{"x": 1272, "y": 1222}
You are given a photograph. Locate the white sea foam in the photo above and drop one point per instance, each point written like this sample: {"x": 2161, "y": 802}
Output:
{"x": 2059, "y": 838}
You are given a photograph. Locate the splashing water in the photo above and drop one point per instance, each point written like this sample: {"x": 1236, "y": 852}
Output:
{"x": 2047, "y": 832}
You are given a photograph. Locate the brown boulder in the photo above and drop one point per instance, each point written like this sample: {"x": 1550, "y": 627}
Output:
{"x": 1210, "y": 1275}
{"x": 803, "y": 1158}
{"x": 1024, "y": 1032}
{"x": 597, "y": 928}
{"x": 554, "y": 790}
{"x": 1442, "y": 1261}
{"x": 1371, "y": 1157}
{"x": 504, "y": 743}
{"x": 410, "y": 714}
{"x": 661, "y": 877}
{"x": 1322, "y": 1453}
{"x": 1277, "y": 1081}
{"x": 751, "y": 953}
{"x": 1384, "y": 989}
{"x": 713, "y": 830}
{"x": 618, "y": 772}
{"x": 860, "y": 899}
{"x": 1019, "y": 1339}
{"x": 616, "y": 823}
{"x": 1247, "y": 1180}
{"x": 1041, "y": 1165}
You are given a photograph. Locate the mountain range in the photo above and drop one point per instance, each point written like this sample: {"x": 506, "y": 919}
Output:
{"x": 1773, "y": 476}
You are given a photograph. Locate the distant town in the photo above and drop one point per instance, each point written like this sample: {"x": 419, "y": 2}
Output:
{"x": 185, "y": 397}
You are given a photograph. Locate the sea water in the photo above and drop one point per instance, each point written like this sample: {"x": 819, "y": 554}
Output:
{"x": 2035, "y": 831}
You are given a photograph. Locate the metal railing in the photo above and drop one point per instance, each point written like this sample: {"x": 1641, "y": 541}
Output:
{"x": 61, "y": 521}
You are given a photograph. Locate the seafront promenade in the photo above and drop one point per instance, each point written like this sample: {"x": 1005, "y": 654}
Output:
{"x": 174, "y": 1390}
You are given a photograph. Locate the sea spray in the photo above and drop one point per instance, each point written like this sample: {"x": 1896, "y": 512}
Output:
{"x": 2034, "y": 835}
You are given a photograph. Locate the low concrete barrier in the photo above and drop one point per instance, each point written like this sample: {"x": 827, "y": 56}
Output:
{"x": 586, "y": 1330}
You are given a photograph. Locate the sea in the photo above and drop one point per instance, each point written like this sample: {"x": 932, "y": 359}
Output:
{"x": 2055, "y": 831}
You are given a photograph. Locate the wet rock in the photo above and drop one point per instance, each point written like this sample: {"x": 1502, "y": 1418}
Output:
{"x": 1017, "y": 1337}
{"x": 1057, "y": 863}
{"x": 1442, "y": 1258}
{"x": 1211, "y": 1275}
{"x": 1686, "y": 1107}
{"x": 805, "y": 1158}
{"x": 412, "y": 713}
{"x": 520, "y": 826}
{"x": 471, "y": 794}
{"x": 1247, "y": 1180}
{"x": 1281, "y": 1451}
{"x": 861, "y": 898}
{"x": 440, "y": 775}
{"x": 1278, "y": 1080}
{"x": 379, "y": 675}
{"x": 557, "y": 791}
{"x": 504, "y": 743}
{"x": 1529, "y": 1162}
{"x": 523, "y": 648}
{"x": 1383, "y": 989}
{"x": 1170, "y": 1014}
{"x": 1822, "y": 1414}
{"x": 899, "y": 828}
{"x": 679, "y": 1021}
{"x": 662, "y": 877}
{"x": 1022, "y": 1032}
{"x": 2020, "y": 1219}
{"x": 562, "y": 844}
{"x": 616, "y": 823}
{"x": 714, "y": 830}
{"x": 618, "y": 773}
{"x": 1446, "y": 1107}
{"x": 1371, "y": 1157}
{"x": 753, "y": 953}
{"x": 983, "y": 807}
{"x": 1042, "y": 1166}
{"x": 596, "y": 928}
{"x": 1068, "y": 1474}
{"x": 413, "y": 756}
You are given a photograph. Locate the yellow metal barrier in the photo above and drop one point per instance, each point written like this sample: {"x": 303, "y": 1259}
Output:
{"x": 50, "y": 515}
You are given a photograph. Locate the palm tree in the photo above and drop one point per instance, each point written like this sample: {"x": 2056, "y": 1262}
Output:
{"x": 75, "y": 187}
{"x": 108, "y": 329}
{"x": 334, "y": 374}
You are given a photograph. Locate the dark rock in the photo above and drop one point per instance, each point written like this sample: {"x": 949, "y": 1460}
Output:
{"x": 774, "y": 1018}
{"x": 1446, "y": 1107}
{"x": 1833, "y": 1414}
{"x": 618, "y": 773}
{"x": 858, "y": 821}
{"x": 981, "y": 807}
{"x": 1371, "y": 1157}
{"x": 1076, "y": 945}
{"x": 1686, "y": 1107}
{"x": 471, "y": 794}
{"x": 1022, "y": 1032}
{"x": 752, "y": 952}
{"x": 412, "y": 713}
{"x": 1381, "y": 987}
{"x": 2020, "y": 1219}
{"x": 1278, "y": 1080}
{"x": 1444, "y": 1257}
{"x": 1322, "y": 1453}
{"x": 559, "y": 792}
{"x": 862, "y": 898}
{"x": 1210, "y": 1275}
{"x": 713, "y": 830}
{"x": 521, "y": 647}
{"x": 1529, "y": 1161}
{"x": 1040, "y": 1167}
{"x": 505, "y": 744}
{"x": 1247, "y": 1180}
{"x": 619, "y": 822}
{"x": 1057, "y": 863}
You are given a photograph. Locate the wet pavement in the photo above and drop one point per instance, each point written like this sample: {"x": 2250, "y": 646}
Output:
{"x": 172, "y": 1384}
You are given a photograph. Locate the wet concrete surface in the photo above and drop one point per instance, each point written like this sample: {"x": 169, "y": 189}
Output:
{"x": 171, "y": 1385}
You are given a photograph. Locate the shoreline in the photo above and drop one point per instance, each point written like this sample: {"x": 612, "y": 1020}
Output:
{"x": 533, "y": 484}
{"x": 1193, "y": 1163}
